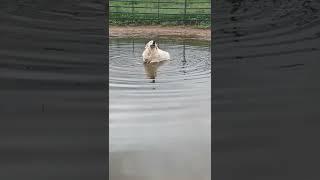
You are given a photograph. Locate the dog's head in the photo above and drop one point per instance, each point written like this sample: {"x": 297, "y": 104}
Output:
{"x": 151, "y": 44}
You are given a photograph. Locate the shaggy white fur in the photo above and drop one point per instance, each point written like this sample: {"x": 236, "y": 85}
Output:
{"x": 152, "y": 53}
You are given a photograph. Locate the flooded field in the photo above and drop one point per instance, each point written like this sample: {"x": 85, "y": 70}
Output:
{"x": 160, "y": 117}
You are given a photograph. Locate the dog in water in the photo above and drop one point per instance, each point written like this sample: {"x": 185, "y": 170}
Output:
{"x": 152, "y": 53}
{"x": 152, "y": 68}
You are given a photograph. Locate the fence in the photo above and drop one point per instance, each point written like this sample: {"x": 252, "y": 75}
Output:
{"x": 160, "y": 11}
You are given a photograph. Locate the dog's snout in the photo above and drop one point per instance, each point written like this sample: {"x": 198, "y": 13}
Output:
{"x": 153, "y": 44}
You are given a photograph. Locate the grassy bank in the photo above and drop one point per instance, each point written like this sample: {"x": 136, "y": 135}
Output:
{"x": 160, "y": 12}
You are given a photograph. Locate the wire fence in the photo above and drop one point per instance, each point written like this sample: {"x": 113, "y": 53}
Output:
{"x": 160, "y": 11}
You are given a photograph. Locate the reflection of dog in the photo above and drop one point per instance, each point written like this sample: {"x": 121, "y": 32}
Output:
{"x": 152, "y": 53}
{"x": 151, "y": 69}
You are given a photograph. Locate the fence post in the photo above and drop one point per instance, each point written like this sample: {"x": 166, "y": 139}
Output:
{"x": 184, "y": 61}
{"x": 132, "y": 7}
{"x": 184, "y": 53}
{"x": 158, "y": 11}
{"x": 185, "y": 11}
{"x": 132, "y": 11}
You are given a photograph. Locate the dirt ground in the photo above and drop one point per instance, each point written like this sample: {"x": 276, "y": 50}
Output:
{"x": 159, "y": 31}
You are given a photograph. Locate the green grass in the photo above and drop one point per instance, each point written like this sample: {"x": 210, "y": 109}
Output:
{"x": 170, "y": 12}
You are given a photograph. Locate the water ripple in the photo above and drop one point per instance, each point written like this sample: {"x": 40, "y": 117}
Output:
{"x": 174, "y": 94}
{"x": 266, "y": 58}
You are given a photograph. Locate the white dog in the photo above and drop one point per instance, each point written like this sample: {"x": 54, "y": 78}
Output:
{"x": 152, "y": 53}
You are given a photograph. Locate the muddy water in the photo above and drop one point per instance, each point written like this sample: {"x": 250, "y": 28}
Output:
{"x": 160, "y": 115}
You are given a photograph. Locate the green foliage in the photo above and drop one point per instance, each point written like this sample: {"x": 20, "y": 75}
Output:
{"x": 163, "y": 12}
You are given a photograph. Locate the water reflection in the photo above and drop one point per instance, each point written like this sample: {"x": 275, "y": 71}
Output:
{"x": 152, "y": 68}
{"x": 159, "y": 112}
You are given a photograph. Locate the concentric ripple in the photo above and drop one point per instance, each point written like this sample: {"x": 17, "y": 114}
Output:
{"x": 159, "y": 113}
{"x": 174, "y": 95}
{"x": 266, "y": 64}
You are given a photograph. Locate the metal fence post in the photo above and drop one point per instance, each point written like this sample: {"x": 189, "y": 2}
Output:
{"x": 132, "y": 11}
{"x": 132, "y": 7}
{"x": 185, "y": 11}
{"x": 158, "y": 10}
{"x": 184, "y": 61}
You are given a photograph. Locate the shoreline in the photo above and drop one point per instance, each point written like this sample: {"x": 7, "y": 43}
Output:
{"x": 157, "y": 31}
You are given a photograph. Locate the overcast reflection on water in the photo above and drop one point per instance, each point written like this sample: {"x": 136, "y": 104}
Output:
{"x": 159, "y": 113}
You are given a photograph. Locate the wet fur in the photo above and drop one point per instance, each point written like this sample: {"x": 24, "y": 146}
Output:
{"x": 153, "y": 53}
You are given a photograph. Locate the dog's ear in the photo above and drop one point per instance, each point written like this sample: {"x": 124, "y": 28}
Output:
{"x": 146, "y": 44}
{"x": 156, "y": 42}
